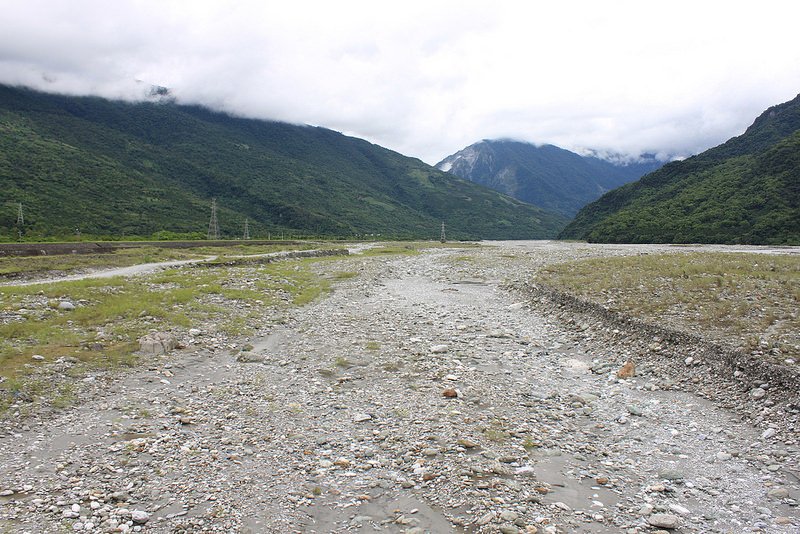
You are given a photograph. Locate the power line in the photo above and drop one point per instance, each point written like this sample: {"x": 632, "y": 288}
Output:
{"x": 213, "y": 225}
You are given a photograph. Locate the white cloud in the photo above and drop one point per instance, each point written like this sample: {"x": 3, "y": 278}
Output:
{"x": 428, "y": 78}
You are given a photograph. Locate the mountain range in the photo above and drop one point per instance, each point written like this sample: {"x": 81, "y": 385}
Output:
{"x": 112, "y": 169}
{"x": 545, "y": 175}
{"x": 746, "y": 190}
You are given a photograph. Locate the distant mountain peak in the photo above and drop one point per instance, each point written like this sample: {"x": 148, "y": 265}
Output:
{"x": 544, "y": 175}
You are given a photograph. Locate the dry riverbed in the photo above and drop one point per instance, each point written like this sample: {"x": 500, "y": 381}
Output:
{"x": 427, "y": 393}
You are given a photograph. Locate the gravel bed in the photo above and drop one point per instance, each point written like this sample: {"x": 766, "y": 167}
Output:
{"x": 430, "y": 393}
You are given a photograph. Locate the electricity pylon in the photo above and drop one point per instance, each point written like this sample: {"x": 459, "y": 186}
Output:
{"x": 20, "y": 221}
{"x": 443, "y": 238}
{"x": 246, "y": 229}
{"x": 213, "y": 225}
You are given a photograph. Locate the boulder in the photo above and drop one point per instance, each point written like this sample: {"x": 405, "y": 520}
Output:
{"x": 157, "y": 343}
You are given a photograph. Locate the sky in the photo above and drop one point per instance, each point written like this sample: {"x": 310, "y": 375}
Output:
{"x": 427, "y": 78}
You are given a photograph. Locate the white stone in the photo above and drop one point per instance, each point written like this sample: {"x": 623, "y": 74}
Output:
{"x": 140, "y": 516}
{"x": 678, "y": 509}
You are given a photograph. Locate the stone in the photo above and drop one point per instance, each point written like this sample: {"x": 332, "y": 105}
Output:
{"x": 361, "y": 417}
{"x": 757, "y": 393}
{"x": 157, "y": 343}
{"x": 678, "y": 509}
{"x": 37, "y": 357}
{"x": 627, "y": 371}
{"x": 66, "y": 305}
{"x": 670, "y": 474}
{"x": 485, "y": 519}
{"x": 250, "y": 357}
{"x": 508, "y": 515}
{"x": 450, "y": 393}
{"x": 140, "y": 517}
{"x": 633, "y": 409}
{"x": 778, "y": 493}
{"x": 439, "y": 349}
{"x": 723, "y": 456}
{"x": 668, "y": 521}
{"x": 768, "y": 433}
{"x": 467, "y": 443}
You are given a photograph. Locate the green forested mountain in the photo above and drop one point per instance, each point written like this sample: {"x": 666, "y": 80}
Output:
{"x": 546, "y": 176}
{"x": 746, "y": 190}
{"x": 117, "y": 169}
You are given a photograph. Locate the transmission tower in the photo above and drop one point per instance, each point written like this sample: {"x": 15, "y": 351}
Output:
{"x": 443, "y": 238}
{"x": 213, "y": 225}
{"x": 20, "y": 221}
{"x": 246, "y": 229}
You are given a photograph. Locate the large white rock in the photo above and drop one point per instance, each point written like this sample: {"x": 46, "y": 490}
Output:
{"x": 157, "y": 343}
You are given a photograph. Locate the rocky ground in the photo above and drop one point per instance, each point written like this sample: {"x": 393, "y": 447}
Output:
{"x": 426, "y": 394}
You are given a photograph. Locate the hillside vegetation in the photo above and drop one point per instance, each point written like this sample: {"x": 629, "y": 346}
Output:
{"x": 115, "y": 169}
{"x": 746, "y": 190}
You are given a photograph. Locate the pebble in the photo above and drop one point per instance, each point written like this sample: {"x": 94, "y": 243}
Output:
{"x": 670, "y": 474}
{"x": 768, "y": 433}
{"x": 778, "y": 493}
{"x": 678, "y": 509}
{"x": 140, "y": 517}
{"x": 668, "y": 521}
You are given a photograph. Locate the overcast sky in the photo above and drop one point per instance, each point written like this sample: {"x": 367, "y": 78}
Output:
{"x": 428, "y": 78}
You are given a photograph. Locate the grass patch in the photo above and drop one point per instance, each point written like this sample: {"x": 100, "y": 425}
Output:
{"x": 750, "y": 299}
{"x": 343, "y": 275}
{"x": 111, "y": 314}
{"x": 386, "y": 250}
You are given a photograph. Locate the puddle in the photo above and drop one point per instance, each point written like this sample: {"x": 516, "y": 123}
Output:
{"x": 471, "y": 281}
{"x": 579, "y": 494}
{"x": 384, "y": 512}
{"x": 128, "y": 436}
